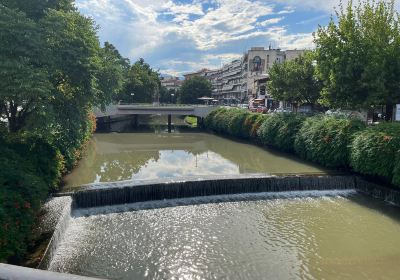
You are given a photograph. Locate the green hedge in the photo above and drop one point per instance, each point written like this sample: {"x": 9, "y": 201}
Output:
{"x": 30, "y": 168}
{"x": 279, "y": 131}
{"x": 335, "y": 142}
{"x": 376, "y": 150}
{"x": 234, "y": 122}
{"x": 326, "y": 140}
{"x": 237, "y": 121}
{"x": 253, "y": 123}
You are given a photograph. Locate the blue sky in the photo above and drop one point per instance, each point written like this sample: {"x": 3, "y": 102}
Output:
{"x": 179, "y": 36}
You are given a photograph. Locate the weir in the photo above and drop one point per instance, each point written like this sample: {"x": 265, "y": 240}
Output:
{"x": 128, "y": 192}
{"x": 59, "y": 230}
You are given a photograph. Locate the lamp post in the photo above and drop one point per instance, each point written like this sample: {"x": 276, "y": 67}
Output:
{"x": 172, "y": 98}
{"x": 132, "y": 94}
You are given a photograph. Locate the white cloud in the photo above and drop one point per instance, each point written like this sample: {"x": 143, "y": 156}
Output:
{"x": 195, "y": 9}
{"x": 209, "y": 61}
{"x": 270, "y": 21}
{"x": 328, "y": 6}
{"x": 147, "y": 27}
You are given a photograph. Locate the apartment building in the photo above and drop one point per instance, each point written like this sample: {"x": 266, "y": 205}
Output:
{"x": 244, "y": 80}
{"x": 171, "y": 83}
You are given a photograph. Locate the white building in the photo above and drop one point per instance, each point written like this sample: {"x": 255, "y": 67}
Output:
{"x": 171, "y": 83}
{"x": 244, "y": 79}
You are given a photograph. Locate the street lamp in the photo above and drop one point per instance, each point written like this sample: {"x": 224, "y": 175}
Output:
{"x": 132, "y": 94}
{"x": 172, "y": 98}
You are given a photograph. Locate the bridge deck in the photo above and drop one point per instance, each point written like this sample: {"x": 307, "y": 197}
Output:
{"x": 144, "y": 109}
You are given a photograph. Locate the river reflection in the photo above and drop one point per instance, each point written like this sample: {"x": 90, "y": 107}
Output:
{"x": 114, "y": 157}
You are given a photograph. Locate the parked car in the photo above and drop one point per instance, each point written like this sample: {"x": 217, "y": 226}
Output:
{"x": 262, "y": 109}
{"x": 253, "y": 109}
{"x": 243, "y": 106}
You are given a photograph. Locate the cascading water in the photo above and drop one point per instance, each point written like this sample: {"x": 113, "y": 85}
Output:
{"x": 122, "y": 194}
{"x": 59, "y": 231}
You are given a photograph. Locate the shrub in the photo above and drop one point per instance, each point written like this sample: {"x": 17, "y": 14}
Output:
{"x": 251, "y": 124}
{"x": 234, "y": 122}
{"x": 326, "y": 140}
{"x": 257, "y": 124}
{"x": 47, "y": 159}
{"x": 29, "y": 168}
{"x": 237, "y": 118}
{"x": 279, "y": 131}
{"x": 214, "y": 120}
{"x": 396, "y": 171}
{"x": 21, "y": 194}
{"x": 375, "y": 151}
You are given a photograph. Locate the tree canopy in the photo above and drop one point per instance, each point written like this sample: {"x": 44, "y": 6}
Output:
{"x": 142, "y": 85}
{"x": 194, "y": 88}
{"x": 358, "y": 56}
{"x": 295, "y": 81}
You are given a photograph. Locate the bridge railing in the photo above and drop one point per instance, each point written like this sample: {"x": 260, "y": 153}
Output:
{"x": 163, "y": 105}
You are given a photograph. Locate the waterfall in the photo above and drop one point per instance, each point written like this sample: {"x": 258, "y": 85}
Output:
{"x": 163, "y": 191}
{"x": 377, "y": 191}
{"x": 58, "y": 234}
{"x": 124, "y": 192}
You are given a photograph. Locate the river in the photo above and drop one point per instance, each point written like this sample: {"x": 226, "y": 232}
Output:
{"x": 130, "y": 156}
{"x": 317, "y": 235}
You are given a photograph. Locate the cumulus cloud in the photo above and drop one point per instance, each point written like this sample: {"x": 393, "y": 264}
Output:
{"x": 142, "y": 28}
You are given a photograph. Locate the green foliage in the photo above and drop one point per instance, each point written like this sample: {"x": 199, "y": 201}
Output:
{"x": 112, "y": 74}
{"x": 192, "y": 121}
{"x": 252, "y": 123}
{"x": 168, "y": 95}
{"x": 258, "y": 121}
{"x": 327, "y": 140}
{"x": 24, "y": 81}
{"x": 53, "y": 72}
{"x": 36, "y": 9}
{"x": 214, "y": 120}
{"x": 280, "y": 130}
{"x": 295, "y": 81}
{"x": 358, "y": 56}
{"x": 375, "y": 150}
{"x": 47, "y": 160}
{"x": 24, "y": 185}
{"x": 236, "y": 127}
{"x": 143, "y": 82}
{"x": 235, "y": 122}
{"x": 396, "y": 171}
{"x": 194, "y": 88}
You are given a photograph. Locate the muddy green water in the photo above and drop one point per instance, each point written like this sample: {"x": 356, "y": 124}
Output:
{"x": 126, "y": 156}
{"x": 320, "y": 235}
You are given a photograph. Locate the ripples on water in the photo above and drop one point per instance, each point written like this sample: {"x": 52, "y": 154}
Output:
{"x": 335, "y": 236}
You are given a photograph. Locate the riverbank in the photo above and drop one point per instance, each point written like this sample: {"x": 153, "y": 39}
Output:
{"x": 31, "y": 168}
{"x": 333, "y": 142}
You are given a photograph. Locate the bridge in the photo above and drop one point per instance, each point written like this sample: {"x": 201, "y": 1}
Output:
{"x": 199, "y": 111}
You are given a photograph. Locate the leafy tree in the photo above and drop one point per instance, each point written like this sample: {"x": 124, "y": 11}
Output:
{"x": 295, "y": 81}
{"x": 24, "y": 83}
{"x": 194, "y": 88}
{"x": 167, "y": 95}
{"x": 36, "y": 9}
{"x": 359, "y": 56}
{"x": 143, "y": 82}
{"x": 112, "y": 73}
{"x": 53, "y": 72}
